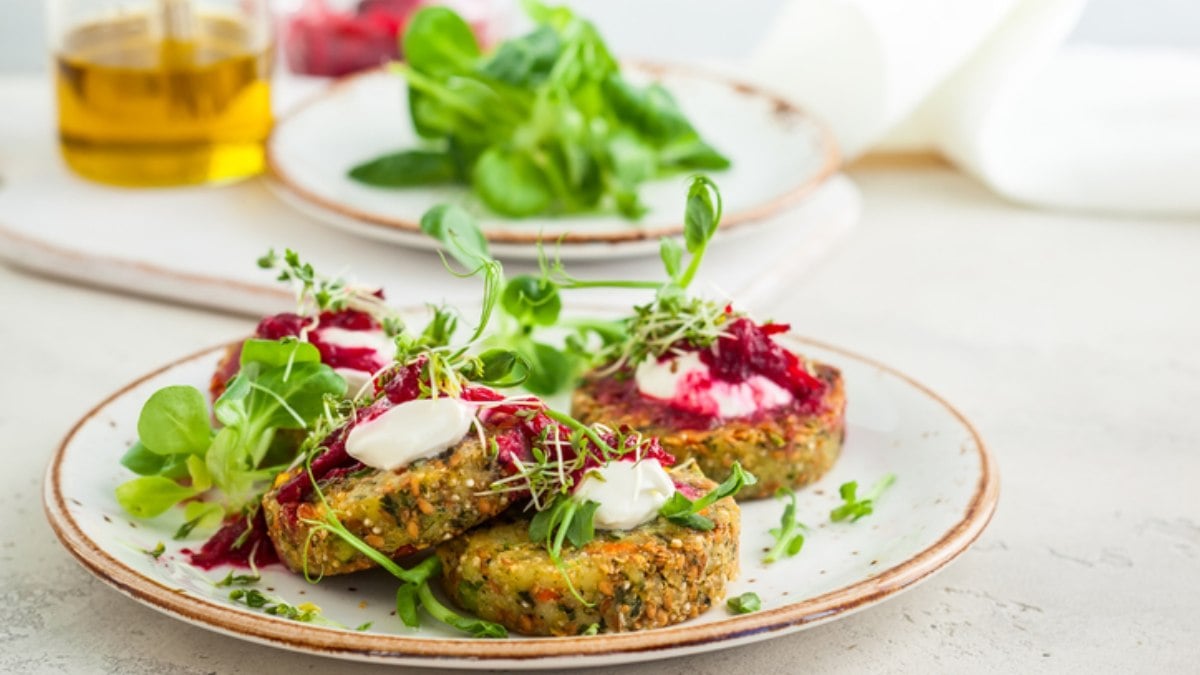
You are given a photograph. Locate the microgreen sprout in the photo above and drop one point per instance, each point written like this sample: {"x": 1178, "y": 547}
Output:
{"x": 567, "y": 519}
{"x": 789, "y": 536}
{"x": 681, "y": 510}
{"x": 232, "y": 579}
{"x": 316, "y": 292}
{"x": 528, "y": 304}
{"x": 854, "y": 507}
{"x": 255, "y": 599}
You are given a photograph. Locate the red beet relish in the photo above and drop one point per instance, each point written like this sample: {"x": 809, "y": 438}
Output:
{"x": 223, "y": 548}
{"x": 744, "y": 351}
{"x": 747, "y": 349}
{"x": 288, "y": 324}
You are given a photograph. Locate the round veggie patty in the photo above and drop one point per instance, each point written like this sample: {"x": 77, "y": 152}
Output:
{"x": 398, "y": 512}
{"x": 788, "y": 447}
{"x": 655, "y": 575}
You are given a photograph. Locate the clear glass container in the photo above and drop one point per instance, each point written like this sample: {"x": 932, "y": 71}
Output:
{"x": 162, "y": 92}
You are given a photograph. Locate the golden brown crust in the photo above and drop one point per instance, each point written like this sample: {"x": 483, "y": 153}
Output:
{"x": 790, "y": 449}
{"x": 656, "y": 575}
{"x": 396, "y": 512}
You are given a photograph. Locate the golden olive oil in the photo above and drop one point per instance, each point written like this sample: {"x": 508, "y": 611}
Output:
{"x": 136, "y": 108}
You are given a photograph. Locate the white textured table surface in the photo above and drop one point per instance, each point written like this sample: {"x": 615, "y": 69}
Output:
{"x": 1072, "y": 342}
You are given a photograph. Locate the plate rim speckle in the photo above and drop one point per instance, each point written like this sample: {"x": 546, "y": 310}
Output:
{"x": 558, "y": 651}
{"x": 392, "y": 228}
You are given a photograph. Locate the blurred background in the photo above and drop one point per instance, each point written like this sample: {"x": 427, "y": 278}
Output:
{"x": 716, "y": 30}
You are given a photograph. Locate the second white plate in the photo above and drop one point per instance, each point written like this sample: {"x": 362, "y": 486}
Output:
{"x": 779, "y": 154}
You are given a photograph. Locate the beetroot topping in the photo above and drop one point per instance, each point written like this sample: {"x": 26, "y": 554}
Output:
{"x": 399, "y": 386}
{"x": 233, "y": 545}
{"x": 334, "y": 353}
{"x": 629, "y": 443}
{"x": 742, "y": 374}
{"x": 362, "y": 355}
{"x": 747, "y": 349}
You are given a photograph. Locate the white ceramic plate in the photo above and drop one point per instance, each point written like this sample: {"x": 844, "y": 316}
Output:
{"x": 944, "y": 496}
{"x": 779, "y": 154}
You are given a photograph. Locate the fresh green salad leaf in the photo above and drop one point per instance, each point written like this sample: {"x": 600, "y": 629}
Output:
{"x": 544, "y": 124}
{"x": 408, "y": 168}
{"x": 281, "y": 385}
{"x": 854, "y": 507}
{"x": 438, "y": 42}
{"x": 149, "y": 496}
{"x": 174, "y": 421}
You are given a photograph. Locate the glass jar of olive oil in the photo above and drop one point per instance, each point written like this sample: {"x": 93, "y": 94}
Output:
{"x": 162, "y": 92}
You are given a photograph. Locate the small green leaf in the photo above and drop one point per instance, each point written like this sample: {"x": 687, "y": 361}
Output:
{"x": 201, "y": 478}
{"x": 550, "y": 371}
{"x": 274, "y": 353}
{"x": 440, "y": 329}
{"x": 583, "y": 525}
{"x": 855, "y": 508}
{"x": 459, "y": 234}
{"x": 744, "y": 603}
{"x": 438, "y": 42}
{"x": 683, "y": 511}
{"x": 525, "y": 61}
{"x": 531, "y": 300}
{"x": 149, "y": 496}
{"x": 672, "y": 256}
{"x": 498, "y": 368}
{"x": 702, "y": 214}
{"x": 406, "y": 169}
{"x": 141, "y": 461}
{"x": 510, "y": 183}
{"x": 174, "y": 421}
{"x": 789, "y": 537}
{"x": 407, "y": 603}
{"x": 230, "y": 407}
{"x": 290, "y": 400}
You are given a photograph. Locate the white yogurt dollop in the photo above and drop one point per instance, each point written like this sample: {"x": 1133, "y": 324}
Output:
{"x": 685, "y": 382}
{"x": 629, "y": 493}
{"x": 410, "y": 431}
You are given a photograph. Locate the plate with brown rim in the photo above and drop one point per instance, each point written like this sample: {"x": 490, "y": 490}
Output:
{"x": 944, "y": 496}
{"x": 780, "y": 153}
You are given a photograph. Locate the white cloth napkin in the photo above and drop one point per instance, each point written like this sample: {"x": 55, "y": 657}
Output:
{"x": 989, "y": 84}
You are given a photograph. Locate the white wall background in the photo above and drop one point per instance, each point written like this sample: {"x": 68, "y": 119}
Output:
{"x": 696, "y": 29}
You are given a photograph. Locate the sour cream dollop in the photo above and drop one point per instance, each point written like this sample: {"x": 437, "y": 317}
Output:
{"x": 629, "y": 493}
{"x": 410, "y": 431}
{"x": 685, "y": 382}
